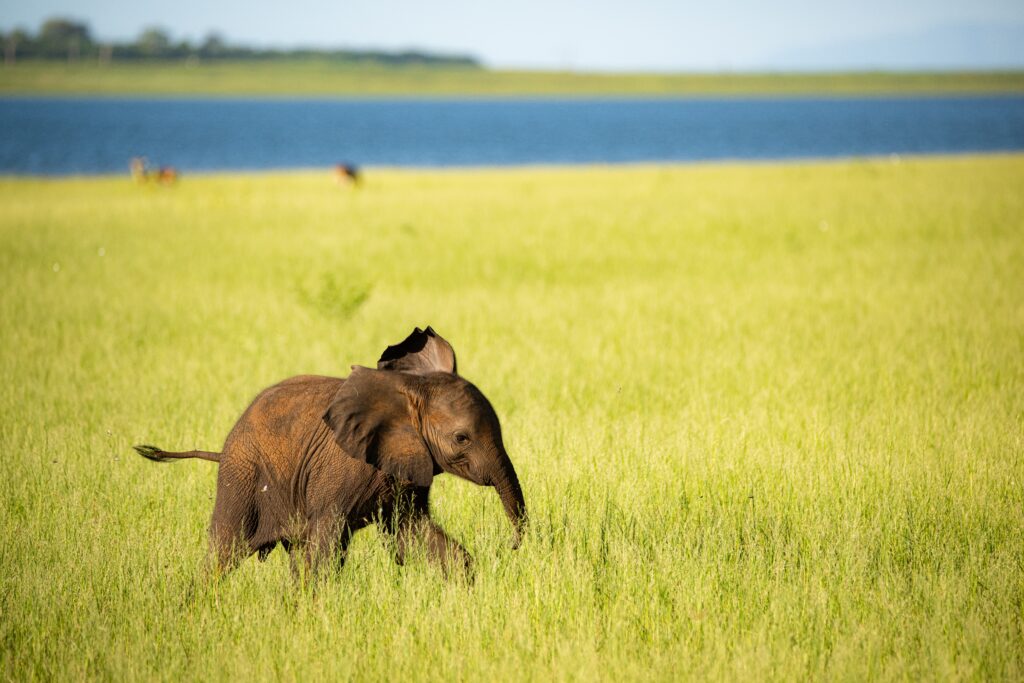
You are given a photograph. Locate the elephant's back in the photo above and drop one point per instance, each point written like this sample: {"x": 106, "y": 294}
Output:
{"x": 283, "y": 416}
{"x": 295, "y": 396}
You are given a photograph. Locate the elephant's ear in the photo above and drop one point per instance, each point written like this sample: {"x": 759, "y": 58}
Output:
{"x": 421, "y": 352}
{"x": 373, "y": 420}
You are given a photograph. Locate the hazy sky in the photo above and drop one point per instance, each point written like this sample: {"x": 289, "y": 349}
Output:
{"x": 596, "y": 34}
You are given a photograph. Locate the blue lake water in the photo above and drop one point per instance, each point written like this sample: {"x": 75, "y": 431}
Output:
{"x": 64, "y": 136}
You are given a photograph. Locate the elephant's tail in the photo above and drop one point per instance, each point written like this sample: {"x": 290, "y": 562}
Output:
{"x": 156, "y": 455}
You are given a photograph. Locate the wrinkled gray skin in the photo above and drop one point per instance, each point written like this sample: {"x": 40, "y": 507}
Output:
{"x": 314, "y": 459}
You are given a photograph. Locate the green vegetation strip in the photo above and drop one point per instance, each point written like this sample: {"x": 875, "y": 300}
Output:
{"x": 767, "y": 419}
{"x": 326, "y": 79}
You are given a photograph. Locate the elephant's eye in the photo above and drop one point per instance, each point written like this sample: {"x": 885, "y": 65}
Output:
{"x": 461, "y": 438}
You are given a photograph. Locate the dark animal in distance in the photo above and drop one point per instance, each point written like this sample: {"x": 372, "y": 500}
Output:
{"x": 347, "y": 174}
{"x": 314, "y": 459}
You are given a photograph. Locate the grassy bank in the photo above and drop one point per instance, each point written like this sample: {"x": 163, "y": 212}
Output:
{"x": 768, "y": 419}
{"x": 326, "y": 79}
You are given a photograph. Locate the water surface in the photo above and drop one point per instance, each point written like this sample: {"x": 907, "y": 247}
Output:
{"x": 63, "y": 136}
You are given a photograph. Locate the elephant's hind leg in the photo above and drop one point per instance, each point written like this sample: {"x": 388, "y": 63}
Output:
{"x": 234, "y": 520}
{"x": 227, "y": 549}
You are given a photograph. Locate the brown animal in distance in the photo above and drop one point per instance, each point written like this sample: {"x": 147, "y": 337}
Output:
{"x": 167, "y": 175}
{"x": 314, "y": 459}
{"x": 142, "y": 174}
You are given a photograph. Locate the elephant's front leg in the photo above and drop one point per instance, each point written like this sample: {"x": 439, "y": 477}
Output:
{"x": 415, "y": 527}
{"x": 441, "y": 549}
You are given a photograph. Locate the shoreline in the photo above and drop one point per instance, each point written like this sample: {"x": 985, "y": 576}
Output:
{"x": 635, "y": 166}
{"x": 512, "y": 96}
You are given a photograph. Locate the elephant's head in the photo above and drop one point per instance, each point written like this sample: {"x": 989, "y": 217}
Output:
{"x": 414, "y": 417}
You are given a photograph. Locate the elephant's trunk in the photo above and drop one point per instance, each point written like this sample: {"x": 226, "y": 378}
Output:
{"x": 506, "y": 483}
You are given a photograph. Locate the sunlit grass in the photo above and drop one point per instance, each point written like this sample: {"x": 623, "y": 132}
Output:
{"x": 322, "y": 78}
{"x": 768, "y": 419}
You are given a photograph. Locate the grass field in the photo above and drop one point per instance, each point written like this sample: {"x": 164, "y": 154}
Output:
{"x": 769, "y": 419}
{"x": 326, "y": 79}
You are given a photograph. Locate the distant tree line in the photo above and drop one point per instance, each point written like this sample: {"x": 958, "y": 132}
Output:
{"x": 69, "y": 40}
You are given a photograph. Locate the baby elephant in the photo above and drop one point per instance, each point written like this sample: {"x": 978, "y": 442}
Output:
{"x": 314, "y": 459}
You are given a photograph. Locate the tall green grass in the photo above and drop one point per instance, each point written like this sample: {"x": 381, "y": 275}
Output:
{"x": 768, "y": 419}
{"x": 321, "y": 78}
